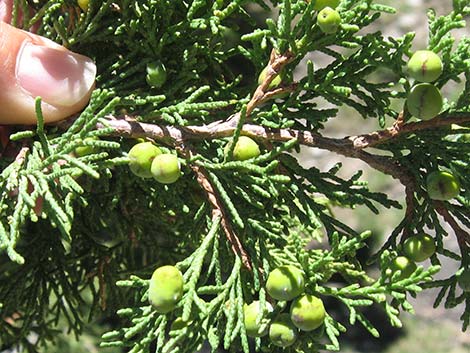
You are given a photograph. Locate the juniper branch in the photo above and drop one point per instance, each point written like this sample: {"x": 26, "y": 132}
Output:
{"x": 352, "y": 147}
{"x": 275, "y": 66}
{"x": 128, "y": 127}
{"x": 397, "y": 130}
{"x": 218, "y": 211}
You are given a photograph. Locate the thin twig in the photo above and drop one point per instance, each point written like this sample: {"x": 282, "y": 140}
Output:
{"x": 398, "y": 129}
{"x": 219, "y": 211}
{"x": 102, "y": 283}
{"x": 463, "y": 237}
{"x": 21, "y": 156}
{"x": 262, "y": 93}
{"x": 410, "y": 206}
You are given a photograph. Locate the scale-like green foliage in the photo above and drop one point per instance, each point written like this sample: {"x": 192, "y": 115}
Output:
{"x": 81, "y": 235}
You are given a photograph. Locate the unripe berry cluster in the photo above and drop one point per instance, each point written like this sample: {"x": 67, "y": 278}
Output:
{"x": 147, "y": 160}
{"x": 245, "y": 148}
{"x": 442, "y": 185}
{"x": 307, "y": 312}
{"x": 328, "y": 20}
{"x": 424, "y": 100}
{"x": 274, "y": 83}
{"x": 416, "y": 248}
{"x": 83, "y": 4}
{"x": 156, "y": 74}
{"x": 419, "y": 247}
{"x": 166, "y": 288}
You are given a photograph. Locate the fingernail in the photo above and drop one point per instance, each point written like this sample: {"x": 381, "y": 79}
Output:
{"x": 59, "y": 77}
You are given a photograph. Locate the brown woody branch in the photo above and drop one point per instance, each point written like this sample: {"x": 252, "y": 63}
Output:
{"x": 463, "y": 237}
{"x": 410, "y": 205}
{"x": 172, "y": 135}
{"x": 218, "y": 210}
{"x": 398, "y": 129}
{"x": 350, "y": 146}
{"x": 262, "y": 93}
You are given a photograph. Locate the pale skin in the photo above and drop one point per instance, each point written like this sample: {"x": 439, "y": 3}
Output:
{"x": 32, "y": 66}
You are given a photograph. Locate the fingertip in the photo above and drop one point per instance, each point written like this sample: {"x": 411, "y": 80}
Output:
{"x": 32, "y": 66}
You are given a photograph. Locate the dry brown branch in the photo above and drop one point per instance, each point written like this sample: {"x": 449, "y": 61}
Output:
{"x": 399, "y": 128}
{"x": 410, "y": 205}
{"x": 219, "y": 211}
{"x": 463, "y": 237}
{"x": 172, "y": 135}
{"x": 262, "y": 93}
{"x": 102, "y": 283}
{"x": 21, "y": 156}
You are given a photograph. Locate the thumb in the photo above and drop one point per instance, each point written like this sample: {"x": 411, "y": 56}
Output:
{"x": 31, "y": 66}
